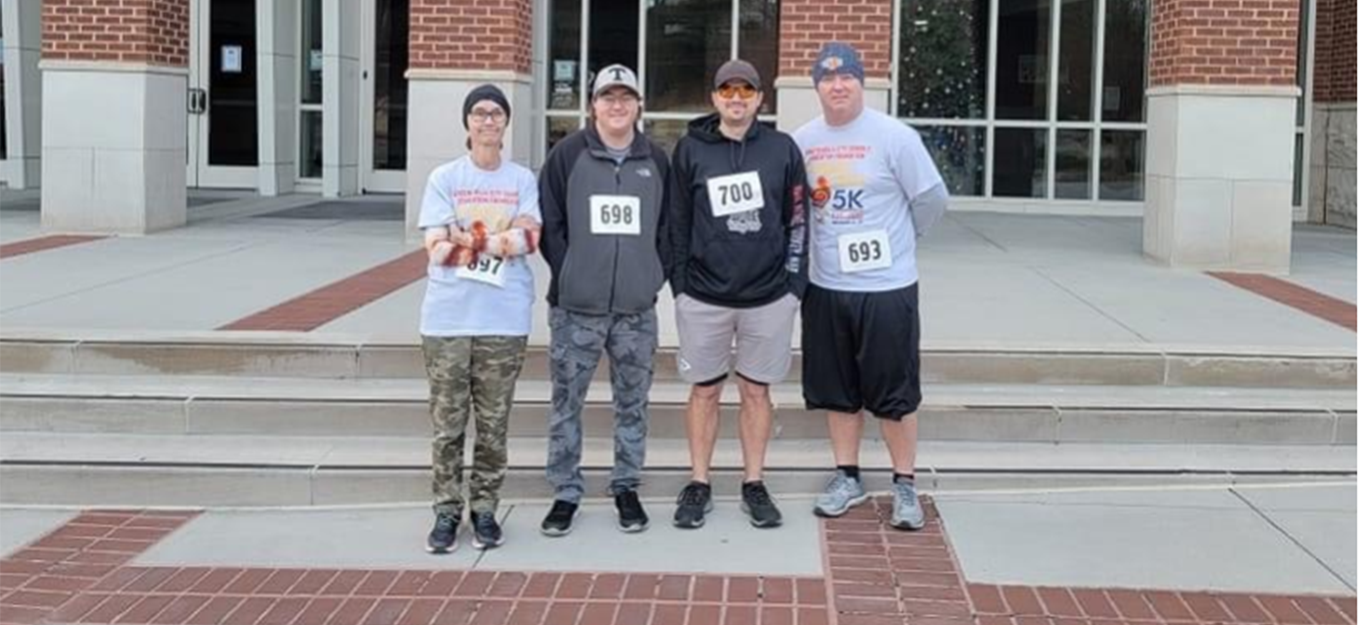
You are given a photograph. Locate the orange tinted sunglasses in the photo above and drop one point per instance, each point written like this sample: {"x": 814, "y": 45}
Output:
{"x": 746, "y": 92}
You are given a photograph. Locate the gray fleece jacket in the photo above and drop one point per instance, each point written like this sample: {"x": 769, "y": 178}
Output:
{"x": 596, "y": 272}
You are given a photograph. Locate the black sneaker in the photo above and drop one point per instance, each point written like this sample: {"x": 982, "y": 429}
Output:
{"x": 559, "y": 519}
{"x": 444, "y": 537}
{"x": 486, "y": 532}
{"x": 631, "y": 517}
{"x": 694, "y": 501}
{"x": 759, "y": 506}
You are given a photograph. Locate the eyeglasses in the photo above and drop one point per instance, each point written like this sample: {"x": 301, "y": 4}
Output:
{"x": 626, "y": 99}
{"x": 746, "y": 92}
{"x": 482, "y": 116}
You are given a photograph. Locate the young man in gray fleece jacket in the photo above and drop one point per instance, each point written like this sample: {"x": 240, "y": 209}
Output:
{"x": 602, "y": 193}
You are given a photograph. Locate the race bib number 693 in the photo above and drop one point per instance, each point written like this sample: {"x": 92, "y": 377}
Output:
{"x": 865, "y": 251}
{"x": 616, "y": 214}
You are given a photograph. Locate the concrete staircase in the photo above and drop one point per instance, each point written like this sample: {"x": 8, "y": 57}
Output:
{"x": 144, "y": 418}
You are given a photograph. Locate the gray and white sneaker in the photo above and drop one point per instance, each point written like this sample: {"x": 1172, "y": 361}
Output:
{"x": 842, "y": 493}
{"x": 907, "y": 514}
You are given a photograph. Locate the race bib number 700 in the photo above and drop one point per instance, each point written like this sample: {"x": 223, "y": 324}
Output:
{"x": 616, "y": 214}
{"x": 736, "y": 193}
{"x": 865, "y": 251}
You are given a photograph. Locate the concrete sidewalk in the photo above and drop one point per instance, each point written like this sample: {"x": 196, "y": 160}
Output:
{"x": 992, "y": 280}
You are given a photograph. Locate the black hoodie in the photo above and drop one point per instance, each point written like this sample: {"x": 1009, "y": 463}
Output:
{"x": 745, "y": 259}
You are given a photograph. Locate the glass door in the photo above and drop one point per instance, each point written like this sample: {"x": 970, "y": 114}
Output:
{"x": 386, "y": 47}
{"x": 223, "y": 95}
{"x": 309, "y": 107}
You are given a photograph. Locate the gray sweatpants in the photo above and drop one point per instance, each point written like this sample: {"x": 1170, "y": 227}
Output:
{"x": 578, "y": 341}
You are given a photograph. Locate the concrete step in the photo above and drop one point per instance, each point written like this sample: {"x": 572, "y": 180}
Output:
{"x": 321, "y": 356}
{"x": 399, "y": 407}
{"x": 107, "y": 469}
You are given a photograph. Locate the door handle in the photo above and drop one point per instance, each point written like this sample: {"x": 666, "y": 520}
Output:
{"x": 198, "y": 101}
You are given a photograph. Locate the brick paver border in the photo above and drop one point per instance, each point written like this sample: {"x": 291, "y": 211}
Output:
{"x": 312, "y": 310}
{"x": 80, "y": 573}
{"x": 29, "y": 246}
{"x": 1320, "y": 305}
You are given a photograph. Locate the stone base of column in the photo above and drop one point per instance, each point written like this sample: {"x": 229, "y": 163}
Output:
{"x": 435, "y": 107}
{"x": 114, "y": 147}
{"x": 798, "y": 103}
{"x": 1332, "y": 189}
{"x": 1220, "y": 177}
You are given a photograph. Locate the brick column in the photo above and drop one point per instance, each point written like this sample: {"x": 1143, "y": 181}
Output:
{"x": 1333, "y": 115}
{"x": 805, "y": 25}
{"x": 1220, "y": 127}
{"x": 115, "y": 75}
{"x": 456, "y": 45}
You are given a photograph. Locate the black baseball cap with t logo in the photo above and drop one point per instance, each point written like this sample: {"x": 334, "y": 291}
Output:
{"x": 616, "y": 75}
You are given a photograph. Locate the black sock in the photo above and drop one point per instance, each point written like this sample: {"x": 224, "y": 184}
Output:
{"x": 850, "y": 470}
{"x": 898, "y": 477}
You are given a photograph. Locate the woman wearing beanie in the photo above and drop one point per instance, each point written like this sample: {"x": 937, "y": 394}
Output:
{"x": 480, "y": 219}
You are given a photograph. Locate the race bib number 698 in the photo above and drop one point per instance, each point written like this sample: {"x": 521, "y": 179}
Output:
{"x": 616, "y": 214}
{"x": 865, "y": 251}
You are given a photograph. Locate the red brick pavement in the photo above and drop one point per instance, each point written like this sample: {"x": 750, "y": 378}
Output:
{"x": 1337, "y": 311}
{"x": 309, "y": 311}
{"x": 29, "y": 246}
{"x": 79, "y": 573}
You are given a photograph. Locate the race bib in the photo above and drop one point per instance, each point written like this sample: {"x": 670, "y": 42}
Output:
{"x": 616, "y": 214}
{"x": 488, "y": 269}
{"x": 865, "y": 251}
{"x": 736, "y": 193}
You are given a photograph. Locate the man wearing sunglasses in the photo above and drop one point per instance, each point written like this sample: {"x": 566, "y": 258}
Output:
{"x": 738, "y": 205}
{"x": 602, "y": 192}
{"x": 875, "y": 190}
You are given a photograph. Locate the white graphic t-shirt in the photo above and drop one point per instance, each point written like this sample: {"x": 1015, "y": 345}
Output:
{"x": 863, "y": 176}
{"x": 496, "y": 297}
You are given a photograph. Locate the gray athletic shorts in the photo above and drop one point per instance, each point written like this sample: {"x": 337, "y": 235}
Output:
{"x": 762, "y": 338}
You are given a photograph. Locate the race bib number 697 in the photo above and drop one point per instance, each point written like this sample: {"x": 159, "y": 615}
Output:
{"x": 487, "y": 270}
{"x": 865, "y": 251}
{"x": 616, "y": 214}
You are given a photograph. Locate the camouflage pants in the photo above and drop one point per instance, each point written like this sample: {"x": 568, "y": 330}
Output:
{"x": 578, "y": 342}
{"x": 467, "y": 376}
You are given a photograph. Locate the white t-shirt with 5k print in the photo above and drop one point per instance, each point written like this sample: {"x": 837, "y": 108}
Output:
{"x": 863, "y": 176}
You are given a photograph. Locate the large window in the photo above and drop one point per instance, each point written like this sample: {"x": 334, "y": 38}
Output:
{"x": 1037, "y": 99}
{"x": 675, "y": 45}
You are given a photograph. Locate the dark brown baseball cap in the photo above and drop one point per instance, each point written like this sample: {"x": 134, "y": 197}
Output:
{"x": 736, "y": 69}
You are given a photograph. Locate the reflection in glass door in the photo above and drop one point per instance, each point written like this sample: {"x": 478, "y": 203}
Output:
{"x": 386, "y": 47}
{"x": 223, "y": 95}
{"x": 310, "y": 62}
{"x": 675, "y": 45}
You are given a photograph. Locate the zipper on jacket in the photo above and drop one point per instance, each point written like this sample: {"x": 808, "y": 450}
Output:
{"x": 617, "y": 245}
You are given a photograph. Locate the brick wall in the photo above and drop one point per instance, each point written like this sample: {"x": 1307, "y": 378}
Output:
{"x": 1224, "y": 42}
{"x": 804, "y": 25}
{"x": 471, "y": 34}
{"x": 1333, "y": 71}
{"x": 154, "y": 32}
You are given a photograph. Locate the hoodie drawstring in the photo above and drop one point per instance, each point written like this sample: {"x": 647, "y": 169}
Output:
{"x": 737, "y": 160}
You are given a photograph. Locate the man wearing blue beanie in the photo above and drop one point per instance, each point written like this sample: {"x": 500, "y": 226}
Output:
{"x": 875, "y": 190}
